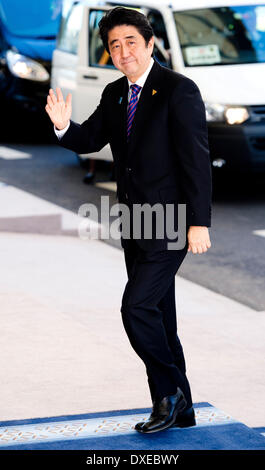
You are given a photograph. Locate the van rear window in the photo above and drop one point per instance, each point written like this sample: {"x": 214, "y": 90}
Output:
{"x": 220, "y": 36}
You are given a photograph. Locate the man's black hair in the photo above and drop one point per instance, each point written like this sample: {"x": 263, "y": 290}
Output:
{"x": 119, "y": 16}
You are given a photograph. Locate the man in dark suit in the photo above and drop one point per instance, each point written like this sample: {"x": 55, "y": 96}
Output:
{"x": 154, "y": 120}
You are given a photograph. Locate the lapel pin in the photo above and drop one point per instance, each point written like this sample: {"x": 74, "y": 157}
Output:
{"x": 120, "y": 100}
{"x": 154, "y": 92}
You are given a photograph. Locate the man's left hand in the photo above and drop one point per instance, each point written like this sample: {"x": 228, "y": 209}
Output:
{"x": 198, "y": 239}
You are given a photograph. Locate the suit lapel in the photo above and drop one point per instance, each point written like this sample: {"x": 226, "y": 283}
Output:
{"x": 123, "y": 104}
{"x": 151, "y": 92}
{"x": 147, "y": 102}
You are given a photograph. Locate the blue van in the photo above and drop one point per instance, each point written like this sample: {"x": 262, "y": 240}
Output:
{"x": 28, "y": 31}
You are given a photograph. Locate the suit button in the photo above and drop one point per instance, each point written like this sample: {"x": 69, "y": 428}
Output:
{"x": 128, "y": 169}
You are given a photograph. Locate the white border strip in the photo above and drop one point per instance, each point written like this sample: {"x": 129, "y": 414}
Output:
{"x": 95, "y": 427}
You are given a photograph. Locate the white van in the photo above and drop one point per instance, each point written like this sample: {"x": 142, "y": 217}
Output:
{"x": 220, "y": 44}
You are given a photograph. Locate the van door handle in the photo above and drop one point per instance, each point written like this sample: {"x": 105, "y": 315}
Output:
{"x": 89, "y": 77}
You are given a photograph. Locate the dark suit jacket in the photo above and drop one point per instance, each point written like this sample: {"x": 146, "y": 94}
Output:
{"x": 167, "y": 157}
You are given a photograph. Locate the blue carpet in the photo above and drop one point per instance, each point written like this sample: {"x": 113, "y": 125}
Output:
{"x": 112, "y": 430}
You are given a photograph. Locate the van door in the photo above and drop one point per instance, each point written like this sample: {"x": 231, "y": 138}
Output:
{"x": 96, "y": 69}
{"x": 82, "y": 66}
{"x": 65, "y": 57}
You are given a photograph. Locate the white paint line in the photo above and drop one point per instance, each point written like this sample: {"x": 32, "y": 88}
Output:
{"x": 260, "y": 233}
{"x": 110, "y": 185}
{"x": 16, "y": 203}
{"x": 13, "y": 154}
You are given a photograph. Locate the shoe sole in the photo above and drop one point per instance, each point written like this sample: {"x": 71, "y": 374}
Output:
{"x": 187, "y": 424}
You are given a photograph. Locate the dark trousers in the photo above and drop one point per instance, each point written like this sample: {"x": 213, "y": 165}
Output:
{"x": 149, "y": 317}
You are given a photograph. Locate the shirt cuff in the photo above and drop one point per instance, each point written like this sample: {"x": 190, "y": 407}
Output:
{"x": 60, "y": 133}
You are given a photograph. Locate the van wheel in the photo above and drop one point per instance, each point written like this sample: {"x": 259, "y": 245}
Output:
{"x": 83, "y": 162}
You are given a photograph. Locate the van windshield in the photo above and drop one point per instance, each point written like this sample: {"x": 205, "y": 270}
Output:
{"x": 220, "y": 36}
{"x": 31, "y": 18}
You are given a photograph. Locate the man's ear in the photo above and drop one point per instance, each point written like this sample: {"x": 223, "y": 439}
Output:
{"x": 151, "y": 44}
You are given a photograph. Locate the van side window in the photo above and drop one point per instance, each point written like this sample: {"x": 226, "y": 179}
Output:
{"x": 69, "y": 30}
{"x": 162, "y": 48}
{"x": 98, "y": 56}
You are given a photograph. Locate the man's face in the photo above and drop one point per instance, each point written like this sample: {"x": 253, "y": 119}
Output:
{"x": 128, "y": 51}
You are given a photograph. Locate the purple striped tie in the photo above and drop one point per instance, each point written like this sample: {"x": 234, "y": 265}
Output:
{"x": 132, "y": 107}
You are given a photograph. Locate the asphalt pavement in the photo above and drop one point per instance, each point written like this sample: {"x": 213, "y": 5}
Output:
{"x": 234, "y": 266}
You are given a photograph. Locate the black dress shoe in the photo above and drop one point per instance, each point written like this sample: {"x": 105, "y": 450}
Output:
{"x": 164, "y": 414}
{"x": 185, "y": 419}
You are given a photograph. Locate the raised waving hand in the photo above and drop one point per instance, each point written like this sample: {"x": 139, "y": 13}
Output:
{"x": 59, "y": 110}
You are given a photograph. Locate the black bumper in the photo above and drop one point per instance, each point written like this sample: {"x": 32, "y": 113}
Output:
{"x": 241, "y": 146}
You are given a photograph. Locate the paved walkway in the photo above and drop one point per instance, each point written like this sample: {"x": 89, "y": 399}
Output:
{"x": 63, "y": 347}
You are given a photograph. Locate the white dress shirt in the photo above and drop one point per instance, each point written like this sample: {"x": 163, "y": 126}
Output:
{"x": 141, "y": 81}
